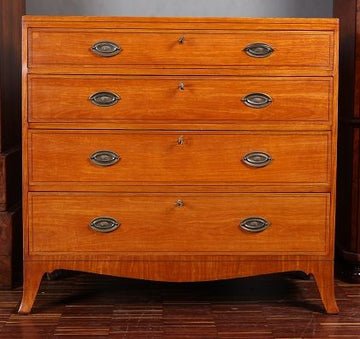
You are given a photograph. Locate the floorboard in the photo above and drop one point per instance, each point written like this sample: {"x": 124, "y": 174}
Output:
{"x": 94, "y": 306}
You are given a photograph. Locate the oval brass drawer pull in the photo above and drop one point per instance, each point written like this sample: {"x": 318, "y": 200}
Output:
{"x": 106, "y": 48}
{"x": 104, "y": 99}
{"x": 254, "y": 224}
{"x": 104, "y": 224}
{"x": 258, "y": 50}
{"x": 257, "y": 159}
{"x": 257, "y": 100}
{"x": 104, "y": 158}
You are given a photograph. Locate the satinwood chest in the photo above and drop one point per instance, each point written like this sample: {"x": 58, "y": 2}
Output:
{"x": 179, "y": 149}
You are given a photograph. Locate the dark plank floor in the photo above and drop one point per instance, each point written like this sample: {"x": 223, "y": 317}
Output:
{"x": 87, "y": 306}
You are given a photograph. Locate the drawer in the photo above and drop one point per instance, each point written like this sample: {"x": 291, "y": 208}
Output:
{"x": 177, "y": 158}
{"x": 168, "y": 48}
{"x": 178, "y": 99}
{"x": 256, "y": 223}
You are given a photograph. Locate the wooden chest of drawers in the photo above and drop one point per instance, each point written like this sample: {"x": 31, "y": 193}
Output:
{"x": 179, "y": 149}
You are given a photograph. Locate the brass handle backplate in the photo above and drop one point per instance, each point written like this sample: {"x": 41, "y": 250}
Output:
{"x": 254, "y": 224}
{"x": 104, "y": 158}
{"x": 258, "y": 50}
{"x": 257, "y": 100}
{"x": 257, "y": 159}
{"x": 104, "y": 99}
{"x": 104, "y": 224}
{"x": 106, "y": 48}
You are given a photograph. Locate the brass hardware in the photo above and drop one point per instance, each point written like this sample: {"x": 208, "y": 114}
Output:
{"x": 104, "y": 99}
{"x": 181, "y": 40}
{"x": 257, "y": 159}
{"x": 104, "y": 158}
{"x": 258, "y": 50}
{"x": 104, "y": 224}
{"x": 257, "y": 100}
{"x": 254, "y": 224}
{"x": 181, "y": 86}
{"x": 179, "y": 203}
{"x": 106, "y": 48}
{"x": 180, "y": 140}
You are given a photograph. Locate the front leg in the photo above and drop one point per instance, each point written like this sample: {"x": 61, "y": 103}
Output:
{"x": 33, "y": 273}
{"x": 323, "y": 272}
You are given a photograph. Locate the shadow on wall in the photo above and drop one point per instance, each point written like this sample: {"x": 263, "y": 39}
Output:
{"x": 217, "y": 8}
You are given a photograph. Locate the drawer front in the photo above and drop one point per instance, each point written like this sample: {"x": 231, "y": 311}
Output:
{"x": 188, "y": 48}
{"x": 253, "y": 223}
{"x": 176, "y": 158}
{"x": 178, "y": 99}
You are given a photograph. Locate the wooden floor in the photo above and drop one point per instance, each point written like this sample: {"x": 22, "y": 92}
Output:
{"x": 87, "y": 306}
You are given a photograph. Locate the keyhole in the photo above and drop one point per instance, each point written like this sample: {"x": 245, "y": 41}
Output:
{"x": 181, "y": 140}
{"x": 181, "y": 40}
{"x": 179, "y": 203}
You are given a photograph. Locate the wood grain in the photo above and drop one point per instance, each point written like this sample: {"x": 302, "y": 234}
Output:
{"x": 10, "y": 173}
{"x": 157, "y": 157}
{"x": 230, "y": 23}
{"x": 201, "y": 48}
{"x": 174, "y": 271}
{"x": 60, "y": 223}
{"x": 348, "y": 221}
{"x": 11, "y": 248}
{"x": 10, "y": 141}
{"x": 164, "y": 242}
{"x": 159, "y": 99}
{"x": 266, "y": 307}
{"x": 10, "y": 73}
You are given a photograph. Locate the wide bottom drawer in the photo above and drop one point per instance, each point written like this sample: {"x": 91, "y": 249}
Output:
{"x": 253, "y": 223}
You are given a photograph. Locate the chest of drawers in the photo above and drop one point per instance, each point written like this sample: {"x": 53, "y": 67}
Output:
{"x": 178, "y": 149}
